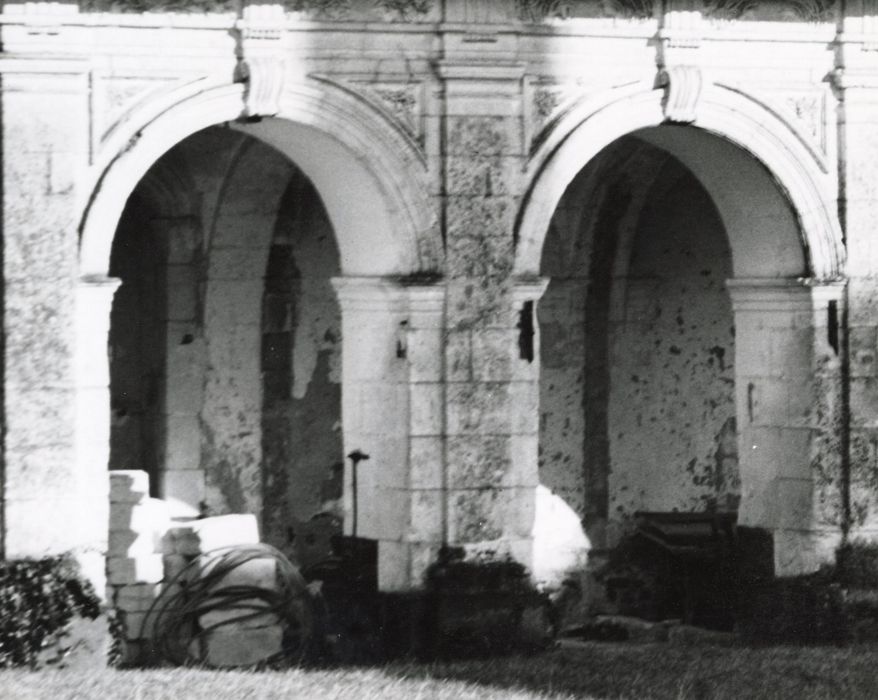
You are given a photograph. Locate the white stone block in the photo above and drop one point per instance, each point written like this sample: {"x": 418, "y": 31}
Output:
{"x": 208, "y": 534}
{"x": 137, "y": 597}
{"x": 426, "y": 409}
{"x": 183, "y": 491}
{"x": 132, "y": 544}
{"x": 128, "y": 486}
{"x": 143, "y": 569}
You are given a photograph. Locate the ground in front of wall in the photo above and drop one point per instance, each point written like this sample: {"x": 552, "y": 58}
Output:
{"x": 585, "y": 670}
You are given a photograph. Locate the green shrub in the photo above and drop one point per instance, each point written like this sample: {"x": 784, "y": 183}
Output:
{"x": 38, "y": 600}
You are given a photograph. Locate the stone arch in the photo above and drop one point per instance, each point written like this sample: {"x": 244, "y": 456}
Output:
{"x": 586, "y": 128}
{"x": 784, "y": 299}
{"x": 371, "y": 177}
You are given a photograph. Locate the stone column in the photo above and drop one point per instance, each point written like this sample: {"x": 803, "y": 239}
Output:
{"x": 789, "y": 414}
{"x": 856, "y": 82}
{"x": 422, "y": 483}
{"x": 375, "y": 416}
{"x": 47, "y": 505}
{"x": 94, "y": 301}
{"x": 487, "y": 410}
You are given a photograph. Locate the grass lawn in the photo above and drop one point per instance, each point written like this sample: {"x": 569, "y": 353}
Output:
{"x": 592, "y": 671}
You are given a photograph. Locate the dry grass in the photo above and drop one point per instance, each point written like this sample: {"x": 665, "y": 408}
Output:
{"x": 593, "y": 671}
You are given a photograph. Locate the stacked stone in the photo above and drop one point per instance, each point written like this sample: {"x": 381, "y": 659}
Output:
{"x": 138, "y": 524}
{"x": 233, "y": 635}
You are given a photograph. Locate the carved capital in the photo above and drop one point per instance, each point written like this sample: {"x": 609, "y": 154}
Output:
{"x": 683, "y": 85}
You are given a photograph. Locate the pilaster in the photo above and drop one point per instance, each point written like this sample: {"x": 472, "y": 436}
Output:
{"x": 856, "y": 85}
{"x": 788, "y": 347}
{"x": 44, "y": 151}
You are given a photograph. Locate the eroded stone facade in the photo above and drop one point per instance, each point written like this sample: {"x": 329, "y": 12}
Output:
{"x": 548, "y": 264}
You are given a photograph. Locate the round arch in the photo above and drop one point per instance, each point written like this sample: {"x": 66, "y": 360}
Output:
{"x": 593, "y": 123}
{"x": 369, "y": 175}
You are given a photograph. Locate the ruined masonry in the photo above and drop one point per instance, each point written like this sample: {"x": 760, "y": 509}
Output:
{"x": 548, "y": 264}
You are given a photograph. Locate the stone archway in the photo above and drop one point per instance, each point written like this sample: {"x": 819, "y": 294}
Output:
{"x": 371, "y": 182}
{"x": 775, "y": 198}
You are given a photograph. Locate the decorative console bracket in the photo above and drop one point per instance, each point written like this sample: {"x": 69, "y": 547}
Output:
{"x": 683, "y": 86}
{"x": 261, "y": 67}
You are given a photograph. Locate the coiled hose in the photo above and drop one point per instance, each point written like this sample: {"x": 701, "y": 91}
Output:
{"x": 176, "y": 615}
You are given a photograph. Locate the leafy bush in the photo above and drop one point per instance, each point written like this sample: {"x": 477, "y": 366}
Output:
{"x": 38, "y": 600}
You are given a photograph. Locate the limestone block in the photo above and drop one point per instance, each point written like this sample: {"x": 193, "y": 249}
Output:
{"x": 242, "y": 647}
{"x": 783, "y": 451}
{"x": 458, "y": 356}
{"x": 795, "y": 503}
{"x": 792, "y": 352}
{"x": 375, "y": 358}
{"x": 803, "y": 413}
{"x": 426, "y": 457}
{"x": 424, "y": 353}
{"x": 50, "y": 249}
{"x": 40, "y": 472}
{"x": 255, "y": 573}
{"x": 523, "y": 406}
{"x": 128, "y": 486}
{"x": 477, "y": 461}
{"x": 385, "y": 512}
{"x": 519, "y": 512}
{"x": 482, "y": 175}
{"x": 182, "y": 442}
{"x": 207, "y": 534}
{"x": 137, "y": 597}
{"x": 426, "y": 409}
{"x": 478, "y": 408}
{"x": 181, "y": 293}
{"x": 795, "y": 553}
{"x": 183, "y": 490}
{"x": 185, "y": 393}
{"x": 142, "y": 569}
{"x": 40, "y": 417}
{"x": 138, "y": 624}
{"x": 133, "y": 544}
{"x": 752, "y": 350}
{"x": 864, "y": 402}
{"x": 476, "y": 515}
{"x": 232, "y": 303}
{"x": 426, "y": 517}
{"x": 54, "y": 526}
{"x": 174, "y": 564}
{"x": 768, "y": 401}
{"x": 383, "y": 407}
{"x": 40, "y": 329}
{"x": 242, "y": 264}
{"x": 422, "y": 555}
{"x": 394, "y": 566}
{"x": 495, "y": 353}
{"x": 181, "y": 239}
{"x": 863, "y": 291}
{"x": 93, "y": 415}
{"x": 524, "y": 465}
{"x": 863, "y": 351}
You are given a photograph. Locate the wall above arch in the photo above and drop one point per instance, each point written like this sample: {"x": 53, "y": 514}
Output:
{"x": 743, "y": 124}
{"x": 372, "y": 183}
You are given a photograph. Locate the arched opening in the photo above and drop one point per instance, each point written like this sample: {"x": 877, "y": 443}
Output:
{"x": 225, "y": 338}
{"x": 670, "y": 379}
{"x": 274, "y": 237}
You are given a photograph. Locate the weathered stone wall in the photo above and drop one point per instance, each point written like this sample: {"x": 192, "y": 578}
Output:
{"x": 671, "y": 421}
{"x": 405, "y": 132}
{"x": 301, "y": 369}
